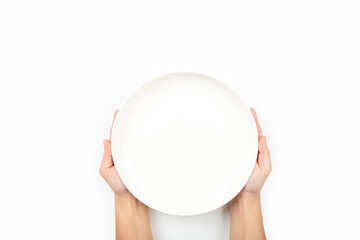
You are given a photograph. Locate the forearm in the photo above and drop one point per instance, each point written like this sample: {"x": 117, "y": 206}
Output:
{"x": 132, "y": 219}
{"x": 246, "y": 219}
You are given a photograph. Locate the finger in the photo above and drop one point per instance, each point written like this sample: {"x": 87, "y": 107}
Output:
{"x": 256, "y": 121}
{"x": 262, "y": 144}
{"x": 113, "y": 122}
{"x": 107, "y": 160}
{"x": 264, "y": 154}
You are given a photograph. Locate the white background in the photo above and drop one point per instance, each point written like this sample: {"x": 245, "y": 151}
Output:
{"x": 296, "y": 62}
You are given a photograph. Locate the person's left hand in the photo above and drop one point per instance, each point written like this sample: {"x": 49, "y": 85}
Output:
{"x": 108, "y": 171}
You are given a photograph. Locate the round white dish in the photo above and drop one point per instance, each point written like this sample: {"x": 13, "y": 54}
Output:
{"x": 184, "y": 143}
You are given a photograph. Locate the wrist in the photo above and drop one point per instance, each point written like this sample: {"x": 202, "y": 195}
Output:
{"x": 245, "y": 198}
{"x": 126, "y": 202}
{"x": 124, "y": 196}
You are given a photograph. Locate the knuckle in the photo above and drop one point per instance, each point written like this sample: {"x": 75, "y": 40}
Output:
{"x": 101, "y": 172}
{"x": 268, "y": 170}
{"x": 267, "y": 150}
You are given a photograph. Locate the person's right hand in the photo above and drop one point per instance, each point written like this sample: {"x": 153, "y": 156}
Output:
{"x": 245, "y": 209}
{"x": 262, "y": 167}
{"x": 108, "y": 171}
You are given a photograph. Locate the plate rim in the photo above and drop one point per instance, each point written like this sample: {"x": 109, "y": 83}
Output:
{"x": 150, "y": 203}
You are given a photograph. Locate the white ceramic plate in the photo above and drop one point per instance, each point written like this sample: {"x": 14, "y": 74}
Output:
{"x": 184, "y": 143}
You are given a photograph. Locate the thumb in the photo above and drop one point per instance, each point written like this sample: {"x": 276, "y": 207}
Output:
{"x": 262, "y": 144}
{"x": 107, "y": 160}
{"x": 264, "y": 155}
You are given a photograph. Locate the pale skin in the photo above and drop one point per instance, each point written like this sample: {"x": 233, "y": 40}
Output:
{"x": 132, "y": 217}
{"x": 245, "y": 209}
